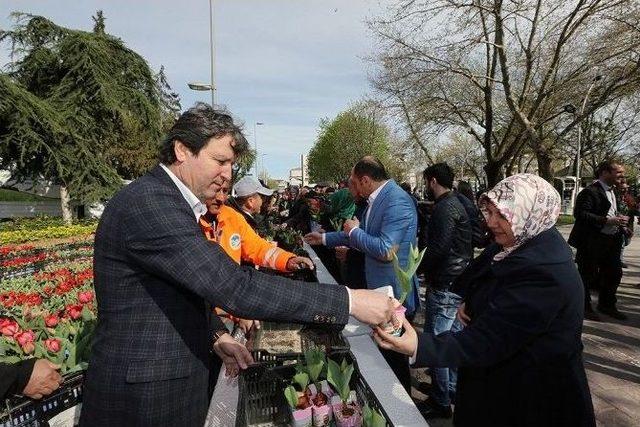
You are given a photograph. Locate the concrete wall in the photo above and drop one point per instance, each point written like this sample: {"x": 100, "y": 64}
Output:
{"x": 30, "y": 209}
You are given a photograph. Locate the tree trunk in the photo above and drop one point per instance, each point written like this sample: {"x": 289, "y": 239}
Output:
{"x": 544, "y": 165}
{"x": 494, "y": 173}
{"x": 65, "y": 204}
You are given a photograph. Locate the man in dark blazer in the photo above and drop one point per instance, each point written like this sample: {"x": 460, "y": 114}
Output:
{"x": 597, "y": 237}
{"x": 156, "y": 275}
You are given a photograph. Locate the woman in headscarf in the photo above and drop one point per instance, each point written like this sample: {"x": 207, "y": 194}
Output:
{"x": 520, "y": 356}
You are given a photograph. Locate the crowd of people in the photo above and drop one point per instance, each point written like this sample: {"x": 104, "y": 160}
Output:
{"x": 182, "y": 247}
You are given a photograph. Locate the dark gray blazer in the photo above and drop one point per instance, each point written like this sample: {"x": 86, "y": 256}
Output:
{"x": 155, "y": 276}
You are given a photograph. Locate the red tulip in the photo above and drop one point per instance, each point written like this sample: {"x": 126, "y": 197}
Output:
{"x": 25, "y": 337}
{"x": 74, "y": 311}
{"x": 9, "y": 327}
{"x": 51, "y": 320}
{"x": 85, "y": 297}
{"x": 52, "y": 345}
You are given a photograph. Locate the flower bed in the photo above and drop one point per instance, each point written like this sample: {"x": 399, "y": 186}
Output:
{"x": 47, "y": 303}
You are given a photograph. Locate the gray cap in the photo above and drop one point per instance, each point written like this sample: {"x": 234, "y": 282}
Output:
{"x": 249, "y": 185}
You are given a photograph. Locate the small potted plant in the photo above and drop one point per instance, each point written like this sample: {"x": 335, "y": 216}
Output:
{"x": 299, "y": 401}
{"x": 405, "y": 278}
{"x": 372, "y": 418}
{"x": 318, "y": 391}
{"x": 346, "y": 410}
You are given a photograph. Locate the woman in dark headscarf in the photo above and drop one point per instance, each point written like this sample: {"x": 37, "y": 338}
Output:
{"x": 520, "y": 356}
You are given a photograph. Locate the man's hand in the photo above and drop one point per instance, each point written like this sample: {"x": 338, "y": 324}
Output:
{"x": 462, "y": 315}
{"x": 350, "y": 224}
{"x": 299, "y": 263}
{"x": 234, "y": 355}
{"x": 372, "y": 307}
{"x": 619, "y": 220}
{"x": 314, "y": 238}
{"x": 405, "y": 344}
{"x": 341, "y": 253}
{"x": 247, "y": 324}
{"x": 44, "y": 379}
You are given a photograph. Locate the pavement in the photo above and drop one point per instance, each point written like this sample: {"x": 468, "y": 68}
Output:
{"x": 611, "y": 353}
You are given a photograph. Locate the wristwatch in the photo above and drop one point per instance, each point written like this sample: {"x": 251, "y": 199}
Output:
{"x": 218, "y": 334}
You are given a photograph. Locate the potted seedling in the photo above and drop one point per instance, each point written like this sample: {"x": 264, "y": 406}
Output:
{"x": 405, "y": 279}
{"x": 299, "y": 401}
{"x": 372, "y": 418}
{"x": 319, "y": 391}
{"x": 345, "y": 406}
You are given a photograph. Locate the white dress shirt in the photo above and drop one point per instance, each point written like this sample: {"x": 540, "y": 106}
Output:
{"x": 195, "y": 204}
{"x": 370, "y": 200}
{"x": 613, "y": 209}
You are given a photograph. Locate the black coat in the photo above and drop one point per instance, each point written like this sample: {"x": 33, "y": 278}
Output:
{"x": 156, "y": 274}
{"x": 590, "y": 213}
{"x": 520, "y": 359}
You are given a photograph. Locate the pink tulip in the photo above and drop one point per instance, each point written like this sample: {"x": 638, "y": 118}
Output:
{"x": 51, "y": 320}
{"x": 9, "y": 327}
{"x": 52, "y": 345}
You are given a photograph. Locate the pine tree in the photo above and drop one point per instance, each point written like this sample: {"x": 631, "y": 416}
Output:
{"x": 81, "y": 109}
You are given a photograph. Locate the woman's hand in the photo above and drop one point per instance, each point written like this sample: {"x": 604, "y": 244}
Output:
{"x": 406, "y": 344}
{"x": 462, "y": 315}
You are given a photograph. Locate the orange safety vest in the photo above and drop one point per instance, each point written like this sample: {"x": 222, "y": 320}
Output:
{"x": 241, "y": 242}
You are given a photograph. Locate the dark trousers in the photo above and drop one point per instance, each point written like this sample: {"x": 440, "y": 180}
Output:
{"x": 600, "y": 268}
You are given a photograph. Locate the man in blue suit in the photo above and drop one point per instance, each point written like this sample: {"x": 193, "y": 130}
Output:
{"x": 389, "y": 223}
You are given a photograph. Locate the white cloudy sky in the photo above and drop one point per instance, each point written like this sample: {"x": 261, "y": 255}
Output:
{"x": 286, "y": 63}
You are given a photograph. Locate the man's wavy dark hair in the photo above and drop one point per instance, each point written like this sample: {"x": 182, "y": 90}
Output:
{"x": 196, "y": 126}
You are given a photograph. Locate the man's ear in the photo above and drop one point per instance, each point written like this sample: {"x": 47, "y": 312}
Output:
{"x": 181, "y": 151}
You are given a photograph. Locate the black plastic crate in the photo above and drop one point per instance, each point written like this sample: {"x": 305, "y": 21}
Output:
{"x": 328, "y": 339}
{"x": 25, "y": 412}
{"x": 261, "y": 393}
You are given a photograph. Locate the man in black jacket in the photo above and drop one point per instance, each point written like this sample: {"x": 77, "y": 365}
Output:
{"x": 449, "y": 251}
{"x": 597, "y": 236}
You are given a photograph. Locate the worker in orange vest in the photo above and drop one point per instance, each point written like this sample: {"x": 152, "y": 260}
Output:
{"x": 230, "y": 230}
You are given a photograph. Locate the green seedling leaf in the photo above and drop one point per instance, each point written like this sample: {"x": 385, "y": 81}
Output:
{"x": 291, "y": 395}
{"x": 302, "y": 379}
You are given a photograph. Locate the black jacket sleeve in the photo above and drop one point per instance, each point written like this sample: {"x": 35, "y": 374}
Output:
{"x": 15, "y": 376}
{"x": 522, "y": 310}
{"x": 586, "y": 203}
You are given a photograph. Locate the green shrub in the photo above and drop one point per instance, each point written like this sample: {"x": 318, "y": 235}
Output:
{"x": 565, "y": 220}
{"x": 7, "y": 195}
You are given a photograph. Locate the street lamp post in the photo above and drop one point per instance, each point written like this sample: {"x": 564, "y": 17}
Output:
{"x": 255, "y": 144}
{"x": 211, "y": 86}
{"x": 264, "y": 170}
{"x": 579, "y": 142}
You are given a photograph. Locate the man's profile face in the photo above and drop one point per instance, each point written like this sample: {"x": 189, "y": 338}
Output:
{"x": 214, "y": 205}
{"x": 359, "y": 185}
{"x": 613, "y": 176}
{"x": 206, "y": 172}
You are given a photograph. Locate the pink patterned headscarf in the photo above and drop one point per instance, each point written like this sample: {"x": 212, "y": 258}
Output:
{"x": 528, "y": 202}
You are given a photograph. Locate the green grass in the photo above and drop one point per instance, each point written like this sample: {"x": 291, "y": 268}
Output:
{"x": 565, "y": 220}
{"x": 18, "y": 196}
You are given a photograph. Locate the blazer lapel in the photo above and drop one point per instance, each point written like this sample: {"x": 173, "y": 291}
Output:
{"x": 603, "y": 196}
{"x": 374, "y": 207}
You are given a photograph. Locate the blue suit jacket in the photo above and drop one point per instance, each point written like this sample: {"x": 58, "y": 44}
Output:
{"x": 393, "y": 221}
